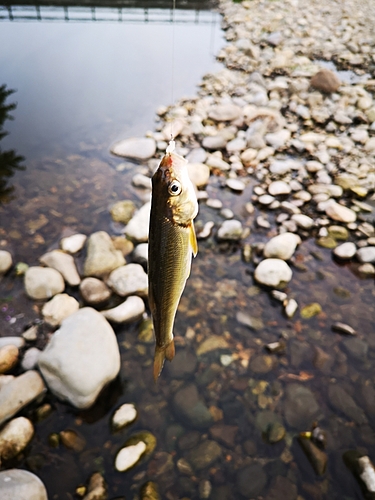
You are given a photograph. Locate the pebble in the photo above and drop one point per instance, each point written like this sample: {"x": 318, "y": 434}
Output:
{"x": 141, "y": 181}
{"x": 64, "y": 263}
{"x": 6, "y": 261}
{"x": 214, "y": 142}
{"x": 102, "y": 257}
{"x": 212, "y": 343}
{"x": 14, "y": 437}
{"x": 366, "y": 254}
{"x": 367, "y": 269}
{"x": 137, "y": 228}
{"x": 58, "y": 308}
{"x": 124, "y": 416}
{"x": 137, "y": 148}
{"x": 21, "y": 485}
{"x": 278, "y": 139}
{"x": 300, "y": 406}
{"x": 130, "y": 310}
{"x": 266, "y": 199}
{"x": 16, "y": 341}
{"x": 97, "y": 488}
{"x": 345, "y": 250}
{"x": 342, "y": 402}
{"x": 197, "y": 155}
{"x": 225, "y": 112}
{"x": 282, "y": 246}
{"x": 127, "y": 457}
{"x": 8, "y": 358}
{"x": 326, "y": 81}
{"x": 279, "y": 188}
{"x": 73, "y": 244}
{"x": 204, "y": 455}
{"x": 343, "y": 328}
{"x": 251, "y": 480}
{"x": 43, "y": 283}
{"x": 235, "y": 184}
{"x": 188, "y": 404}
{"x": 291, "y": 308}
{"x": 81, "y": 358}
{"x": 273, "y": 272}
{"x": 303, "y": 221}
{"x": 339, "y": 212}
{"x": 199, "y": 174}
{"x": 122, "y": 211}
{"x": 230, "y": 230}
{"x": 94, "y": 291}
{"x": 30, "y": 358}
{"x": 130, "y": 279}
{"x": 216, "y": 162}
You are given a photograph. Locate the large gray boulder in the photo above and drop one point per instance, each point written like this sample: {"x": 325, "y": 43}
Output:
{"x": 21, "y": 485}
{"x": 81, "y": 358}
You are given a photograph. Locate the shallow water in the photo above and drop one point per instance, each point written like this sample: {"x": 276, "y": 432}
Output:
{"x": 65, "y": 133}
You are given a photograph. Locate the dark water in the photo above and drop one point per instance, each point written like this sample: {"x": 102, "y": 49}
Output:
{"x": 80, "y": 87}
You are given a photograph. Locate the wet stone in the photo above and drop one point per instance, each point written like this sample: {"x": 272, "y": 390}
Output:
{"x": 43, "y": 283}
{"x": 326, "y": 242}
{"x": 366, "y": 254}
{"x": 94, "y": 291}
{"x": 64, "y": 263}
{"x": 130, "y": 310}
{"x": 273, "y": 272}
{"x": 184, "y": 364}
{"x": 249, "y": 321}
{"x": 345, "y": 250}
{"x": 6, "y": 261}
{"x": 282, "y": 246}
{"x": 341, "y": 401}
{"x": 8, "y": 358}
{"x": 21, "y": 484}
{"x": 191, "y": 407}
{"x": 230, "y": 230}
{"x": 14, "y": 437}
{"x": 343, "y": 328}
{"x": 225, "y": 434}
{"x": 300, "y": 406}
{"x": 282, "y": 488}
{"x": 262, "y": 364}
{"x": 251, "y": 480}
{"x": 356, "y": 348}
{"x": 129, "y": 280}
{"x": 58, "y": 308}
{"x": 204, "y": 455}
{"x": 318, "y": 458}
{"x": 311, "y": 310}
{"x": 122, "y": 211}
{"x": 73, "y": 244}
{"x": 97, "y": 488}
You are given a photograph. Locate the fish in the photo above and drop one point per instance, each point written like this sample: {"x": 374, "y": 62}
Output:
{"x": 171, "y": 245}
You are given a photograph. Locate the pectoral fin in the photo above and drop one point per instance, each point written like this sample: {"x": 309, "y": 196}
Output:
{"x": 193, "y": 239}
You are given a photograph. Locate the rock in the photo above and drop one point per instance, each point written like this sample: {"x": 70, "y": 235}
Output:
{"x": 318, "y": 458}
{"x": 326, "y": 81}
{"x": 262, "y": 364}
{"x": 137, "y": 228}
{"x": 214, "y": 161}
{"x": 124, "y": 416}
{"x": 212, "y": 343}
{"x": 196, "y": 155}
{"x": 18, "y": 393}
{"x": 276, "y": 432}
{"x": 97, "y": 488}
{"x": 30, "y": 358}
{"x": 326, "y": 242}
{"x": 122, "y": 211}
{"x": 127, "y": 457}
{"x": 14, "y": 437}
{"x": 185, "y": 364}
{"x": 225, "y": 434}
{"x": 356, "y": 348}
{"x": 339, "y": 212}
{"x": 149, "y": 491}
{"x": 236, "y": 145}
{"x": 282, "y": 487}
{"x": 123, "y": 244}
{"x": 81, "y": 358}
{"x": 340, "y": 400}
{"x": 17, "y": 341}
{"x": 273, "y": 272}
{"x": 277, "y": 188}
{"x": 366, "y": 254}
{"x": 282, "y": 246}
{"x": 6, "y": 261}
{"x": 102, "y": 257}
{"x": 94, "y": 291}
{"x": 251, "y": 480}
{"x": 291, "y": 308}
{"x": 230, "y": 230}
{"x": 137, "y": 148}
{"x": 300, "y": 406}
{"x": 141, "y": 181}
{"x": 224, "y": 112}
{"x": 204, "y": 455}
{"x": 235, "y": 184}
{"x": 278, "y": 139}
{"x": 130, "y": 310}
{"x": 60, "y": 307}
{"x": 64, "y": 263}
{"x": 368, "y": 473}
{"x": 146, "y": 332}
{"x": 129, "y": 280}
{"x": 281, "y": 167}
{"x": 343, "y": 328}
{"x": 188, "y": 405}
{"x": 265, "y": 199}
{"x": 199, "y": 174}
{"x": 21, "y": 485}
{"x": 43, "y": 283}
{"x": 31, "y": 334}
{"x": 303, "y": 221}
{"x": 249, "y": 321}
{"x": 74, "y": 243}
{"x": 8, "y": 358}
{"x": 311, "y": 310}
{"x": 338, "y": 233}
{"x": 345, "y": 251}
{"x": 368, "y": 270}
{"x": 71, "y": 440}
{"x": 214, "y": 142}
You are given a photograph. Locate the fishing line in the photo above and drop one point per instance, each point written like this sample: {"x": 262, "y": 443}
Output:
{"x": 172, "y": 65}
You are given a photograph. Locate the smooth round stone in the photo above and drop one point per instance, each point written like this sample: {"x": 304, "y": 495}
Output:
{"x": 140, "y": 254}
{"x": 64, "y": 263}
{"x": 199, "y": 174}
{"x": 60, "y": 307}
{"x": 313, "y": 166}
{"x": 8, "y": 358}
{"x": 291, "y": 308}
{"x": 281, "y": 167}
{"x": 141, "y": 181}
{"x": 339, "y": 212}
{"x": 236, "y": 145}
{"x": 127, "y": 457}
{"x": 338, "y": 233}
{"x": 94, "y": 291}
{"x": 130, "y": 310}
{"x": 325, "y": 81}
{"x": 282, "y": 246}
{"x": 204, "y": 455}
{"x": 230, "y": 230}
{"x": 129, "y": 280}
{"x": 300, "y": 406}
{"x": 123, "y": 416}
{"x": 137, "y": 148}
{"x": 21, "y": 485}
{"x": 102, "y": 257}
{"x": 43, "y": 283}
{"x": 137, "y": 228}
{"x": 187, "y": 403}
{"x": 224, "y": 112}
{"x": 366, "y": 255}
{"x": 367, "y": 269}
{"x": 196, "y": 155}
{"x": 251, "y": 480}
{"x": 74, "y": 243}
{"x": 345, "y": 251}
{"x": 214, "y": 203}
{"x": 122, "y": 211}
{"x": 266, "y": 199}
{"x": 278, "y": 188}
{"x": 14, "y": 438}
{"x": 278, "y": 139}
{"x": 214, "y": 142}
{"x": 303, "y": 221}
{"x": 6, "y": 261}
{"x": 30, "y": 358}
{"x": 235, "y": 184}
{"x": 273, "y": 273}
{"x": 216, "y": 162}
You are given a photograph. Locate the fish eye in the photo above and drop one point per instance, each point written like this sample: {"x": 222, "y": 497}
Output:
{"x": 174, "y": 188}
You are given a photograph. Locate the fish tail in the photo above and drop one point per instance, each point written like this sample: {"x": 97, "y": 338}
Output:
{"x": 162, "y": 353}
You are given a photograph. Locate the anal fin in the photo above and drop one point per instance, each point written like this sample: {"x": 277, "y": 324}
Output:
{"x": 161, "y": 354}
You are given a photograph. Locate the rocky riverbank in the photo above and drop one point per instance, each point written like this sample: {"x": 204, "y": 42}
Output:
{"x": 281, "y": 148}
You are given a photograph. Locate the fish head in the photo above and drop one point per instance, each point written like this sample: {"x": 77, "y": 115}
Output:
{"x": 172, "y": 185}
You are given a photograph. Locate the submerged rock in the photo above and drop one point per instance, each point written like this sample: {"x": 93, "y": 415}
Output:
{"x": 300, "y": 407}
{"x": 191, "y": 408}
{"x": 341, "y": 401}
{"x": 317, "y": 457}
{"x": 251, "y": 480}
{"x": 97, "y": 488}
{"x": 230, "y": 230}
{"x": 21, "y": 485}
{"x": 204, "y": 455}
{"x": 123, "y": 211}
{"x": 124, "y": 416}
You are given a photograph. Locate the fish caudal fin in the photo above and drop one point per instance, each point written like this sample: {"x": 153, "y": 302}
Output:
{"x": 162, "y": 353}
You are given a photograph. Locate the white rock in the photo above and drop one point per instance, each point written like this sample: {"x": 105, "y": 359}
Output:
{"x": 281, "y": 167}
{"x": 5, "y": 261}
{"x": 31, "y": 334}
{"x": 214, "y": 203}
{"x": 21, "y": 485}
{"x": 17, "y": 341}
{"x": 173, "y": 128}
{"x": 60, "y": 307}
{"x": 230, "y": 230}
{"x": 273, "y": 272}
{"x": 366, "y": 254}
{"x": 345, "y": 251}
{"x": 129, "y": 280}
{"x": 224, "y": 112}
{"x": 290, "y": 308}
{"x": 313, "y": 166}
{"x": 102, "y": 257}
{"x": 124, "y": 415}
{"x": 137, "y": 148}
{"x": 30, "y": 358}
{"x": 216, "y": 162}
{"x": 130, "y": 310}
{"x": 43, "y": 283}
{"x": 18, "y": 393}
{"x": 196, "y": 155}
{"x": 81, "y": 358}
{"x": 214, "y": 142}
{"x": 279, "y": 187}
{"x": 282, "y": 246}
{"x": 74, "y": 243}
{"x": 278, "y": 139}
{"x": 339, "y": 212}
{"x": 199, "y": 174}
{"x": 303, "y": 221}
{"x": 140, "y": 254}
{"x": 266, "y": 199}
{"x": 129, "y": 456}
{"x": 368, "y": 473}
{"x": 235, "y": 184}
{"x": 142, "y": 181}
{"x": 137, "y": 227}
{"x": 236, "y": 145}
{"x": 94, "y": 291}
{"x": 14, "y": 438}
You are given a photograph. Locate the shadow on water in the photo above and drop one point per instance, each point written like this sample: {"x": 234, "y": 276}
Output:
{"x": 10, "y": 161}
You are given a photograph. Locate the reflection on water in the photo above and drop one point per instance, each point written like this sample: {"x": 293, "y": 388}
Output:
{"x": 10, "y": 161}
